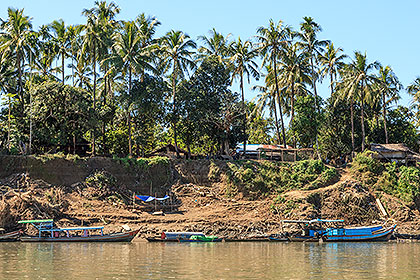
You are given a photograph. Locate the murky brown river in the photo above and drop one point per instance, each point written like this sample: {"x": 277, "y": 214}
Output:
{"x": 141, "y": 260}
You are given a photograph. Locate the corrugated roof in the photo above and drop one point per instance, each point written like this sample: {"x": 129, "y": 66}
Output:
{"x": 389, "y": 148}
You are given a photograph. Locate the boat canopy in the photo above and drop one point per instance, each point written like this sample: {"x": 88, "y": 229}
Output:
{"x": 35, "y": 221}
{"x": 312, "y": 221}
{"x": 78, "y": 228}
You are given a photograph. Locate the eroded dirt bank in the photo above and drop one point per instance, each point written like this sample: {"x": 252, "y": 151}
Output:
{"x": 215, "y": 197}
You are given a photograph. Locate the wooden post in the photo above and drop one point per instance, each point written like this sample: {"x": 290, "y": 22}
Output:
{"x": 282, "y": 155}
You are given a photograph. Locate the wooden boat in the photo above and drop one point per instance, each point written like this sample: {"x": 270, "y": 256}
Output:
{"x": 47, "y": 233}
{"x": 317, "y": 230}
{"x": 9, "y": 236}
{"x": 184, "y": 237}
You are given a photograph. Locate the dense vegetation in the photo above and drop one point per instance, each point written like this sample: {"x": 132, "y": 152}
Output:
{"x": 400, "y": 181}
{"x": 115, "y": 88}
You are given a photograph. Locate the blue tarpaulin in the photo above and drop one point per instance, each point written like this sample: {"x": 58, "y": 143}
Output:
{"x": 147, "y": 198}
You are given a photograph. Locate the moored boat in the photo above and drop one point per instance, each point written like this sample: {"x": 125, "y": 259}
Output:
{"x": 47, "y": 233}
{"x": 9, "y": 236}
{"x": 319, "y": 229}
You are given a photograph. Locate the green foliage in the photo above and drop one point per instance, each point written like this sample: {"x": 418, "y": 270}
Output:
{"x": 365, "y": 166}
{"x": 143, "y": 163}
{"x": 255, "y": 179}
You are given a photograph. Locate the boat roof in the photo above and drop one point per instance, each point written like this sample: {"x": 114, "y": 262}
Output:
{"x": 35, "y": 221}
{"x": 312, "y": 221}
{"x": 77, "y": 228}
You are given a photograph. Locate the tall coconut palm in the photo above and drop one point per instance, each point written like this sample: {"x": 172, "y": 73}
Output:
{"x": 414, "y": 90}
{"x": 332, "y": 60}
{"x": 146, "y": 27}
{"x": 357, "y": 85}
{"x": 295, "y": 74}
{"x": 128, "y": 58}
{"x": 242, "y": 58}
{"x": 61, "y": 38}
{"x": 272, "y": 41}
{"x": 308, "y": 40}
{"x": 177, "y": 53}
{"x": 388, "y": 88}
{"x": 215, "y": 46}
{"x": 14, "y": 41}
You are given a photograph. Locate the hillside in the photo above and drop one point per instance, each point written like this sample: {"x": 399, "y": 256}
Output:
{"x": 230, "y": 199}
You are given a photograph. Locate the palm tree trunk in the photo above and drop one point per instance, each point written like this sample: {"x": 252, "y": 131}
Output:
{"x": 278, "y": 100}
{"x": 244, "y": 108}
{"x": 332, "y": 83}
{"x": 352, "y": 126}
{"x": 8, "y": 125}
{"x": 384, "y": 115}
{"x": 292, "y": 109}
{"x": 129, "y": 114}
{"x": 277, "y": 121}
{"x": 174, "y": 110}
{"x": 362, "y": 113}
{"x": 62, "y": 67}
{"x": 316, "y": 104}
{"x": 94, "y": 95}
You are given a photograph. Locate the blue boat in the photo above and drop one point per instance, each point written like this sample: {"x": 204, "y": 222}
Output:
{"x": 320, "y": 230}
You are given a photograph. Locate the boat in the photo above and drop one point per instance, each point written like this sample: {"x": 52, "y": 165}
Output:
{"x": 48, "y": 233}
{"x": 9, "y": 236}
{"x": 184, "y": 237}
{"x": 321, "y": 230}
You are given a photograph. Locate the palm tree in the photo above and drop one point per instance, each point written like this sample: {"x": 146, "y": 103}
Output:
{"x": 98, "y": 28}
{"x": 272, "y": 41}
{"x": 177, "y": 54}
{"x": 242, "y": 57}
{"x": 14, "y": 39}
{"x": 357, "y": 84}
{"x": 414, "y": 90}
{"x": 146, "y": 27}
{"x": 388, "y": 88}
{"x": 331, "y": 62}
{"x": 128, "y": 58}
{"x": 61, "y": 38}
{"x": 309, "y": 42}
{"x": 295, "y": 74}
{"x": 215, "y": 46}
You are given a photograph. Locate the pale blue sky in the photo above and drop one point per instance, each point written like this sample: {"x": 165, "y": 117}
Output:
{"x": 386, "y": 30}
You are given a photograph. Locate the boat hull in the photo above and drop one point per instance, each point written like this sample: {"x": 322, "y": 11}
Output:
{"x": 10, "y": 236}
{"x": 116, "y": 237}
{"x": 357, "y": 235}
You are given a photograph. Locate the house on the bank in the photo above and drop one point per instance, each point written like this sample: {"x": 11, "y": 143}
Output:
{"x": 274, "y": 152}
{"x": 395, "y": 153}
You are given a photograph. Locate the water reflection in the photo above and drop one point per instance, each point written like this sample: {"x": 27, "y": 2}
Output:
{"x": 210, "y": 261}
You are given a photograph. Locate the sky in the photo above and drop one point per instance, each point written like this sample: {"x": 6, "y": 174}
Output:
{"x": 386, "y": 30}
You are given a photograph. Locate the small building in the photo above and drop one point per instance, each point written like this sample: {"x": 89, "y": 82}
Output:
{"x": 395, "y": 153}
{"x": 274, "y": 152}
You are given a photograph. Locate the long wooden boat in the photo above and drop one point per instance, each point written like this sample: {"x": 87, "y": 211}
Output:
{"x": 313, "y": 231}
{"x": 47, "y": 233}
{"x": 10, "y": 236}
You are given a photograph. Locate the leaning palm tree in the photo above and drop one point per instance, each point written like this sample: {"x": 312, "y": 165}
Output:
{"x": 177, "y": 53}
{"x": 414, "y": 90}
{"x": 242, "y": 58}
{"x": 14, "y": 41}
{"x": 357, "y": 85}
{"x": 388, "y": 87}
{"x": 272, "y": 41}
{"x": 331, "y": 62}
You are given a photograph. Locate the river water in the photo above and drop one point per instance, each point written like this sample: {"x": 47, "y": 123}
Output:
{"x": 142, "y": 260}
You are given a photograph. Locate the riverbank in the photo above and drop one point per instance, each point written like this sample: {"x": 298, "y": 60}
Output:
{"x": 238, "y": 199}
